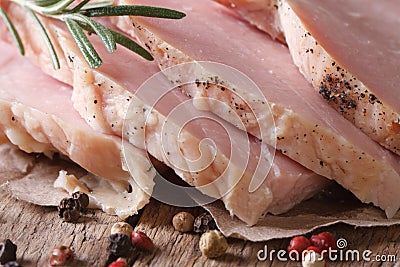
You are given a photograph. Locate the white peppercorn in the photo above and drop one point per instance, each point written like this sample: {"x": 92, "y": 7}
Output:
{"x": 183, "y": 222}
{"x": 122, "y": 228}
{"x": 213, "y": 244}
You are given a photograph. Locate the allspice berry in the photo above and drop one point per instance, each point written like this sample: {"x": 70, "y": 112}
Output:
{"x": 122, "y": 228}
{"x": 183, "y": 222}
{"x": 213, "y": 244}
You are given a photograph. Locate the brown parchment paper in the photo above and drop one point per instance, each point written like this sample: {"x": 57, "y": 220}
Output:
{"x": 30, "y": 177}
{"x": 332, "y": 206}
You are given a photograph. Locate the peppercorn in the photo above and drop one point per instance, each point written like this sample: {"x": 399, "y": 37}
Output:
{"x": 204, "y": 223}
{"x": 183, "y": 222}
{"x": 312, "y": 248}
{"x": 71, "y": 215}
{"x": 82, "y": 199}
{"x": 324, "y": 241}
{"x": 120, "y": 245}
{"x": 68, "y": 203}
{"x": 69, "y": 210}
{"x": 120, "y": 262}
{"x": 122, "y": 228}
{"x": 8, "y": 251}
{"x": 298, "y": 243}
{"x": 12, "y": 264}
{"x": 60, "y": 255}
{"x": 142, "y": 242}
{"x": 111, "y": 258}
{"x": 312, "y": 258}
{"x": 213, "y": 244}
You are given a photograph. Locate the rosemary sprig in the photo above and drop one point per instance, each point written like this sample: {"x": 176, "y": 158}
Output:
{"x": 78, "y": 19}
{"x": 125, "y": 41}
{"x": 103, "y": 32}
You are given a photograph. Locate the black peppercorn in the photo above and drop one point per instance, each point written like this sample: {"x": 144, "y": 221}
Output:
{"x": 71, "y": 215}
{"x": 120, "y": 245}
{"x": 69, "y": 209}
{"x": 8, "y": 251}
{"x": 111, "y": 258}
{"x": 204, "y": 223}
{"x": 68, "y": 203}
{"x": 82, "y": 199}
{"x": 12, "y": 264}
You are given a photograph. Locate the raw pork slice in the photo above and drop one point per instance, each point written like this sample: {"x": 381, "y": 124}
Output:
{"x": 307, "y": 129}
{"x": 357, "y": 68}
{"x": 103, "y": 97}
{"x": 262, "y": 13}
{"x": 349, "y": 51}
{"x": 37, "y": 116}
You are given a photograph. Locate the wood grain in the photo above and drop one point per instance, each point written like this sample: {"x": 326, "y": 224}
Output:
{"x": 36, "y": 230}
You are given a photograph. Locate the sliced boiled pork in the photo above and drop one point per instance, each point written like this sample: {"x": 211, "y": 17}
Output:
{"x": 37, "y": 116}
{"x": 357, "y": 68}
{"x": 308, "y": 130}
{"x": 261, "y": 13}
{"x": 348, "y": 50}
{"x": 103, "y": 96}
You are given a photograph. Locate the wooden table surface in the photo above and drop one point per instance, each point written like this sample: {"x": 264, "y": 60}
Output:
{"x": 37, "y": 229}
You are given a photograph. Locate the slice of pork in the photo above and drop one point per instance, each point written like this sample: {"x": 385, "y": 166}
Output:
{"x": 357, "y": 68}
{"x": 37, "y": 116}
{"x": 348, "y": 51}
{"x": 308, "y": 130}
{"x": 104, "y": 96}
{"x": 261, "y": 13}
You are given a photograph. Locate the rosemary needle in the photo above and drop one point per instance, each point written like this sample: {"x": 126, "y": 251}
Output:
{"x": 46, "y": 38}
{"x": 86, "y": 48}
{"x": 103, "y": 32}
{"x": 79, "y": 6}
{"x": 126, "y": 42}
{"x": 77, "y": 18}
{"x": 12, "y": 30}
{"x": 144, "y": 11}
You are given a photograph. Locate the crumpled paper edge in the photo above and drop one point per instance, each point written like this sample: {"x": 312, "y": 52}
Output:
{"x": 30, "y": 177}
{"x": 334, "y": 205}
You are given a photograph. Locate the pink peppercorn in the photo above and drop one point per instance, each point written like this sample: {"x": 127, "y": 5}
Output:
{"x": 141, "y": 241}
